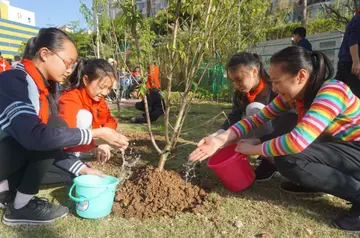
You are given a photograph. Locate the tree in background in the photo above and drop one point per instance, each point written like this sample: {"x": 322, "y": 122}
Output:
{"x": 341, "y": 13}
{"x": 304, "y": 13}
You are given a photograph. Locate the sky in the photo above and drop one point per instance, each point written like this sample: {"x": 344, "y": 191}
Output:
{"x": 53, "y": 12}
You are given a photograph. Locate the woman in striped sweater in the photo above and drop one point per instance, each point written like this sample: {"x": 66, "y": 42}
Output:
{"x": 253, "y": 91}
{"x": 323, "y": 151}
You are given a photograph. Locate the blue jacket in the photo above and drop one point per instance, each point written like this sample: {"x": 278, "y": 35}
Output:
{"x": 351, "y": 37}
{"x": 19, "y": 108}
{"x": 306, "y": 44}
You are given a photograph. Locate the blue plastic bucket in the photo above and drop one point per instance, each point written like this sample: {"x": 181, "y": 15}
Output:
{"x": 94, "y": 195}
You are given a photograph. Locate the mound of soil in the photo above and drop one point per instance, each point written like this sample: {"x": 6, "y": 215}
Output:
{"x": 151, "y": 193}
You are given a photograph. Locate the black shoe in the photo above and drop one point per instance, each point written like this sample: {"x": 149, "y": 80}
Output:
{"x": 265, "y": 171}
{"x": 350, "y": 221}
{"x": 6, "y": 198}
{"x": 139, "y": 119}
{"x": 293, "y": 188}
{"x": 38, "y": 211}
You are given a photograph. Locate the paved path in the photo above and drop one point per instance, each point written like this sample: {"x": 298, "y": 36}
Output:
{"x": 123, "y": 104}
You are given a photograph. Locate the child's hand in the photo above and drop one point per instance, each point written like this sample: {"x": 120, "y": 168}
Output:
{"x": 90, "y": 171}
{"x": 246, "y": 148}
{"x": 111, "y": 136}
{"x": 206, "y": 148}
{"x": 102, "y": 153}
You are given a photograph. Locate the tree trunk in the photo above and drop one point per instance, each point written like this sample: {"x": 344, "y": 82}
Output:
{"x": 162, "y": 161}
{"x": 355, "y": 5}
{"x": 97, "y": 36}
{"x": 170, "y": 75}
{"x": 148, "y": 122}
{"x": 148, "y": 7}
{"x": 136, "y": 38}
{"x": 304, "y": 13}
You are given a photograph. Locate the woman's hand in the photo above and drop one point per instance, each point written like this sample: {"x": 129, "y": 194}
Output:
{"x": 206, "y": 148}
{"x": 102, "y": 153}
{"x": 246, "y": 147}
{"x": 212, "y": 135}
{"x": 90, "y": 171}
{"x": 112, "y": 137}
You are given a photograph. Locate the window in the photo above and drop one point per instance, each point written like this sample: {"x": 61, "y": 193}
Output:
{"x": 29, "y": 20}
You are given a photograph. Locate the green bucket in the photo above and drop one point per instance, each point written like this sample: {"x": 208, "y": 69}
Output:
{"x": 94, "y": 195}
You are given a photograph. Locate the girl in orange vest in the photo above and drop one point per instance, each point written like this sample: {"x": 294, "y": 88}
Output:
{"x": 83, "y": 104}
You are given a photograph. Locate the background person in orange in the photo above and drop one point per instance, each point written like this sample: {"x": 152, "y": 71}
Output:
{"x": 153, "y": 77}
{"x": 4, "y": 64}
{"x": 155, "y": 101}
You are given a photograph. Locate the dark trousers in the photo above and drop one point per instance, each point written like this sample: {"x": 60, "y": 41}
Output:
{"x": 124, "y": 92}
{"x": 156, "y": 105}
{"x": 331, "y": 167}
{"x": 344, "y": 74}
{"x": 23, "y": 169}
{"x": 56, "y": 175}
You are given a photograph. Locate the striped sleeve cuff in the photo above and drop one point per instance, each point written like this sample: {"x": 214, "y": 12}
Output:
{"x": 76, "y": 167}
{"x": 86, "y": 137}
{"x": 236, "y": 129}
{"x": 264, "y": 150}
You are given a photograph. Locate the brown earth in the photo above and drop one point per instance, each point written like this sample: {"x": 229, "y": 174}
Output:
{"x": 151, "y": 193}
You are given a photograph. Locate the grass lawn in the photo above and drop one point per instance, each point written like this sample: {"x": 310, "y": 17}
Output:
{"x": 260, "y": 211}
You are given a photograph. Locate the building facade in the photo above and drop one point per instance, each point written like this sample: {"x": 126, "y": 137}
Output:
{"x": 156, "y": 6}
{"x": 16, "y": 27}
{"x": 328, "y": 43}
{"x": 314, "y": 7}
{"x": 112, "y": 8}
{"x": 66, "y": 28}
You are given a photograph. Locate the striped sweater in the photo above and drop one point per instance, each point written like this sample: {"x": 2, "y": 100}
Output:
{"x": 335, "y": 111}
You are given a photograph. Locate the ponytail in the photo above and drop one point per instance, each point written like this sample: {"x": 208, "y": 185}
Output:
{"x": 76, "y": 78}
{"x": 262, "y": 72}
{"x": 29, "y": 49}
{"x": 294, "y": 58}
{"x": 322, "y": 71}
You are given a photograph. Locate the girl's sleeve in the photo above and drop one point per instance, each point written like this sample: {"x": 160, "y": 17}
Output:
{"x": 69, "y": 106}
{"x": 109, "y": 120}
{"x": 274, "y": 109}
{"x": 332, "y": 99}
{"x": 19, "y": 119}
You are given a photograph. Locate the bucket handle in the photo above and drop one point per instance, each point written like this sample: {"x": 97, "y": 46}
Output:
{"x": 85, "y": 199}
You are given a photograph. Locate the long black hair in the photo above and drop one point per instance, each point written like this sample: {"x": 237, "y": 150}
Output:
{"x": 53, "y": 39}
{"x": 248, "y": 59}
{"x": 294, "y": 58}
{"x": 94, "y": 69}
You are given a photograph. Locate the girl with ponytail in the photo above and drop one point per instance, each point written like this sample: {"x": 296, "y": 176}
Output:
{"x": 83, "y": 104}
{"x": 253, "y": 92}
{"x": 31, "y": 133}
{"x": 322, "y": 153}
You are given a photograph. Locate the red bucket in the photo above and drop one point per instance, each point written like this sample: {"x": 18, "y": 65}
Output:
{"x": 232, "y": 168}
